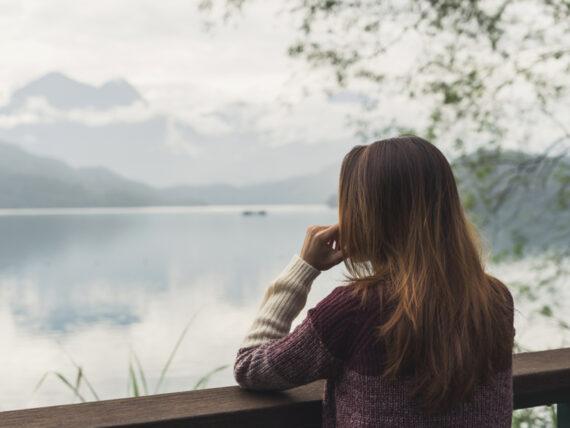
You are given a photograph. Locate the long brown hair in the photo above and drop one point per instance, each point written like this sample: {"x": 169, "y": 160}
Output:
{"x": 405, "y": 236}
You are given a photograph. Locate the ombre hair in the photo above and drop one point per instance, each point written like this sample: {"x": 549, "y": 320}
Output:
{"x": 406, "y": 238}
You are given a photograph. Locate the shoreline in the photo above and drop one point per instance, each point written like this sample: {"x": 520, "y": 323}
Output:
{"x": 228, "y": 208}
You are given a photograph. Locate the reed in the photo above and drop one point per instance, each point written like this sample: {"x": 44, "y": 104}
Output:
{"x": 137, "y": 384}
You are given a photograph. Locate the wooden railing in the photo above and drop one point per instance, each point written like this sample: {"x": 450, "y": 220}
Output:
{"x": 538, "y": 378}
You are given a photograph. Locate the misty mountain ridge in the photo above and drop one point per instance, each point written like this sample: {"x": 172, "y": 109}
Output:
{"x": 31, "y": 181}
{"x": 65, "y": 93}
{"x": 112, "y": 125}
{"x": 527, "y": 215}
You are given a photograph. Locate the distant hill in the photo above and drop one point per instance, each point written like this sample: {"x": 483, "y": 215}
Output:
{"x": 30, "y": 181}
{"x": 305, "y": 189}
{"x": 111, "y": 124}
{"x": 519, "y": 199}
{"x": 530, "y": 215}
{"x": 65, "y": 93}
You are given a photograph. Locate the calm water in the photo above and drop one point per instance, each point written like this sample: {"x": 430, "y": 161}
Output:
{"x": 93, "y": 284}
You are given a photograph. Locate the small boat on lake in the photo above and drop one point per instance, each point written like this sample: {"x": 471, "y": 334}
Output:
{"x": 249, "y": 212}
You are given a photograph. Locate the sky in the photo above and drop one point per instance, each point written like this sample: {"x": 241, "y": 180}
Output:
{"x": 160, "y": 48}
{"x": 230, "y": 80}
{"x": 221, "y": 104}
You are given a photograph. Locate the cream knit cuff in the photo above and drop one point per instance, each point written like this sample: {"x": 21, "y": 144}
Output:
{"x": 282, "y": 302}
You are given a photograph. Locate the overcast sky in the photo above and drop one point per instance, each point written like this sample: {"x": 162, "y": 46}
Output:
{"x": 159, "y": 47}
{"x": 232, "y": 86}
{"x": 232, "y": 79}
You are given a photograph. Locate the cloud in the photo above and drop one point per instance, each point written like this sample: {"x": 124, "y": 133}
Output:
{"x": 219, "y": 102}
{"x": 37, "y": 110}
{"x": 149, "y": 44}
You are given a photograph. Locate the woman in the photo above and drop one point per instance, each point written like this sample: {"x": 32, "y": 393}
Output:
{"x": 419, "y": 335}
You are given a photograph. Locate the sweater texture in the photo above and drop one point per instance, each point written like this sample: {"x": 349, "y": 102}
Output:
{"x": 336, "y": 342}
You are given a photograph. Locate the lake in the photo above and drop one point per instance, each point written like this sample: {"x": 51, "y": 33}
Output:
{"x": 90, "y": 286}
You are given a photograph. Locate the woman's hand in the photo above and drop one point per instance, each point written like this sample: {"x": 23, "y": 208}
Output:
{"x": 319, "y": 249}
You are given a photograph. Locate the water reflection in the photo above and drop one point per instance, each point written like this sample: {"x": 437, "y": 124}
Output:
{"x": 101, "y": 282}
{"x": 97, "y": 283}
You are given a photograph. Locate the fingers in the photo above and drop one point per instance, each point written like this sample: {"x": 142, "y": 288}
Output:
{"x": 337, "y": 257}
{"x": 329, "y": 232}
{"x": 329, "y": 235}
{"x": 322, "y": 245}
{"x": 314, "y": 229}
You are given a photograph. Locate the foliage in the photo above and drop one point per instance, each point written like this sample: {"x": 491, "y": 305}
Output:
{"x": 481, "y": 62}
{"x": 478, "y": 78}
{"x": 484, "y": 76}
{"x": 536, "y": 417}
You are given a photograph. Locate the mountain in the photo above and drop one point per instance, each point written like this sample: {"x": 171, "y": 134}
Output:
{"x": 114, "y": 126}
{"x": 64, "y": 93}
{"x": 305, "y": 189}
{"x": 31, "y": 181}
{"x": 519, "y": 199}
{"x": 529, "y": 214}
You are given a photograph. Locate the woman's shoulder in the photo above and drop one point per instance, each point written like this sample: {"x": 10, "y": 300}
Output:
{"x": 336, "y": 309}
{"x": 504, "y": 300}
{"x": 341, "y": 300}
{"x": 333, "y": 318}
{"x": 501, "y": 289}
{"x": 342, "y": 307}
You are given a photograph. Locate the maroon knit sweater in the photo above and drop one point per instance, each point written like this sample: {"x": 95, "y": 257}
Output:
{"x": 336, "y": 342}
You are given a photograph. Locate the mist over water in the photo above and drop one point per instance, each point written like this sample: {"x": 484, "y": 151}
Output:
{"x": 93, "y": 284}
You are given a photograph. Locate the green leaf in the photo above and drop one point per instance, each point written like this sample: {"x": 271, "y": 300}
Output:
{"x": 133, "y": 381}
{"x": 40, "y": 383}
{"x": 546, "y": 311}
{"x": 172, "y": 354}
{"x": 84, "y": 377}
{"x": 78, "y": 378}
{"x": 67, "y": 383}
{"x": 141, "y": 372}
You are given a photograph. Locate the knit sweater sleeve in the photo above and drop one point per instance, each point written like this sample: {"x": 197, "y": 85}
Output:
{"x": 273, "y": 358}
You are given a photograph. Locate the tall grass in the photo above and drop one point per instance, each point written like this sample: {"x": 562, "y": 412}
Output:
{"x": 137, "y": 384}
